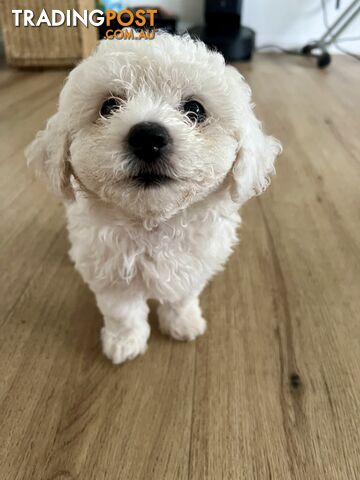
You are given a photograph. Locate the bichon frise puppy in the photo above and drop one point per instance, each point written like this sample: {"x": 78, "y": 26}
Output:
{"x": 153, "y": 149}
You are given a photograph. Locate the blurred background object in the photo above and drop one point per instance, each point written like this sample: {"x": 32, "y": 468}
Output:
{"x": 281, "y": 25}
{"x": 332, "y": 33}
{"x": 111, "y": 4}
{"x": 224, "y": 31}
{"x": 46, "y": 46}
{"x": 292, "y": 24}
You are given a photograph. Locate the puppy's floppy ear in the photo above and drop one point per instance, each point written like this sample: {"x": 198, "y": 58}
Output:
{"x": 49, "y": 155}
{"x": 254, "y": 163}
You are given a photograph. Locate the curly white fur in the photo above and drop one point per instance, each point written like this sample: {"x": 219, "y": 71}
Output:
{"x": 130, "y": 243}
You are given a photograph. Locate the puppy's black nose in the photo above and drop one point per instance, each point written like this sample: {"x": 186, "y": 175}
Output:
{"x": 147, "y": 140}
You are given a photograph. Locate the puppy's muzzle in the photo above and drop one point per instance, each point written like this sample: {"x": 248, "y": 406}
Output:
{"x": 148, "y": 141}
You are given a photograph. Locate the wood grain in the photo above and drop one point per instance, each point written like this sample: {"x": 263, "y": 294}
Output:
{"x": 272, "y": 391}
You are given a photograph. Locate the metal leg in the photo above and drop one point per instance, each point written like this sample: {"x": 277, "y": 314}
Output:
{"x": 331, "y": 34}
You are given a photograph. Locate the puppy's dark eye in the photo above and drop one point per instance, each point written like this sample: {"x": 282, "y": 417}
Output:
{"x": 195, "y": 111}
{"x": 109, "y": 106}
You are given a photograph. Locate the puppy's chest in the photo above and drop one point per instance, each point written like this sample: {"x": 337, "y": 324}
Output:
{"x": 161, "y": 255}
{"x": 166, "y": 261}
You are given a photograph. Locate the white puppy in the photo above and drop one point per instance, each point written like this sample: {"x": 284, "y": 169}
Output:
{"x": 154, "y": 148}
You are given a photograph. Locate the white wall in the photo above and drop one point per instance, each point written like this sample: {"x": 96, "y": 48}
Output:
{"x": 288, "y": 23}
{"x": 292, "y": 23}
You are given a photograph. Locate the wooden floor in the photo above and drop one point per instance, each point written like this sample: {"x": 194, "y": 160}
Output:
{"x": 275, "y": 394}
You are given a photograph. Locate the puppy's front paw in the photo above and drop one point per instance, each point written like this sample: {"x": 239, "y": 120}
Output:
{"x": 119, "y": 348}
{"x": 185, "y": 323}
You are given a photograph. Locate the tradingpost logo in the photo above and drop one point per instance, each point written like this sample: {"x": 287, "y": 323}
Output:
{"x": 135, "y": 24}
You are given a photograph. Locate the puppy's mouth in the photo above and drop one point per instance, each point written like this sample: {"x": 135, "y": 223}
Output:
{"x": 156, "y": 174}
{"x": 148, "y": 179}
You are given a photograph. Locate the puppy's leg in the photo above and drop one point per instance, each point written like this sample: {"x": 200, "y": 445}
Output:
{"x": 182, "y": 320}
{"x": 126, "y": 330}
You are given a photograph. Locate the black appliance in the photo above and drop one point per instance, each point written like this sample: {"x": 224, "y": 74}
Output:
{"x": 223, "y": 30}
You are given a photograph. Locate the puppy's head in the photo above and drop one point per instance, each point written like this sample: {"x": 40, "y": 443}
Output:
{"x": 150, "y": 127}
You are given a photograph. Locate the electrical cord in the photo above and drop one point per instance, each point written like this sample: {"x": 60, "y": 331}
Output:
{"x": 277, "y": 47}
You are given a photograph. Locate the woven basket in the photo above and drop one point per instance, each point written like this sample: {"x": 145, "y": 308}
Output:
{"x": 46, "y": 46}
